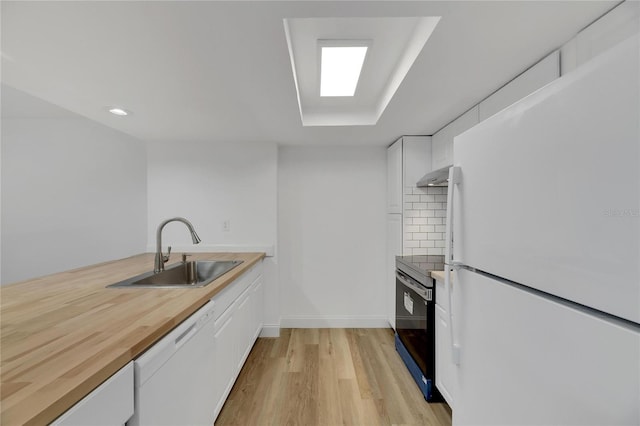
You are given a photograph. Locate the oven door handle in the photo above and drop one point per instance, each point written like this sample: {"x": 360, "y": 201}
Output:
{"x": 424, "y": 293}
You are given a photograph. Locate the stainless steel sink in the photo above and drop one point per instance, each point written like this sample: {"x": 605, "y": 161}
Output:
{"x": 193, "y": 274}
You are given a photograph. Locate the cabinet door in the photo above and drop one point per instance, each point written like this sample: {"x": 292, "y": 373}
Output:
{"x": 394, "y": 248}
{"x": 258, "y": 307}
{"x": 416, "y": 158}
{"x": 244, "y": 326}
{"x": 445, "y": 369}
{"x": 540, "y": 74}
{"x": 226, "y": 365}
{"x": 442, "y": 142}
{"x": 439, "y": 150}
{"x": 617, "y": 25}
{"x": 394, "y": 177}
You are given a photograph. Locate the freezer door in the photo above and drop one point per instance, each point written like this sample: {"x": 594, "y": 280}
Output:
{"x": 529, "y": 360}
{"x": 550, "y": 187}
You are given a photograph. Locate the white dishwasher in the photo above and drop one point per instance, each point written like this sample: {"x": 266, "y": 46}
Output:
{"x": 174, "y": 380}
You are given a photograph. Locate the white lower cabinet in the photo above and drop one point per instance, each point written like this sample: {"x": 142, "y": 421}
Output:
{"x": 236, "y": 330}
{"x": 244, "y": 315}
{"x": 111, "y": 403}
{"x": 187, "y": 383}
{"x": 445, "y": 368}
{"x": 258, "y": 307}
{"x": 225, "y": 358}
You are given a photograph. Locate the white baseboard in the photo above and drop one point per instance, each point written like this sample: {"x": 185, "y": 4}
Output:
{"x": 270, "y": 330}
{"x": 334, "y": 322}
{"x": 219, "y": 248}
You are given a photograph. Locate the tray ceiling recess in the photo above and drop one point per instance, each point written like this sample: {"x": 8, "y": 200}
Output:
{"x": 381, "y": 50}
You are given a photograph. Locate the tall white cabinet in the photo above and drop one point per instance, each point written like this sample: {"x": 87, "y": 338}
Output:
{"x": 408, "y": 159}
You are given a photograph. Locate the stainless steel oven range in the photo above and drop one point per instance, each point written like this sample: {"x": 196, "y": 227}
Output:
{"x": 415, "y": 319}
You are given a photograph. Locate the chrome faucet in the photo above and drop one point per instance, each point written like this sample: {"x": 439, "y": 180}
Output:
{"x": 161, "y": 259}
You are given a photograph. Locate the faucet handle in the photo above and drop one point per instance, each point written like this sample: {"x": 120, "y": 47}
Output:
{"x": 165, "y": 259}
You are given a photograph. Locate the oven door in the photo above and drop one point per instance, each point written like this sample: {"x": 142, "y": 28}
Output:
{"x": 414, "y": 307}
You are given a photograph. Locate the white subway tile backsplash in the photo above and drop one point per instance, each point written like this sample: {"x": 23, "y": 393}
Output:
{"x": 425, "y": 211}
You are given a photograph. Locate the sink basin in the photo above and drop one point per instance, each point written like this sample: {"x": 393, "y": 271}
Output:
{"x": 193, "y": 274}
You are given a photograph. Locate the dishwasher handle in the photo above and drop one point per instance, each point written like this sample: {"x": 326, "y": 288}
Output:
{"x": 149, "y": 362}
{"x": 186, "y": 335}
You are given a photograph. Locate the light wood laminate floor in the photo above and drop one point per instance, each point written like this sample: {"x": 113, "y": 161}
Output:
{"x": 328, "y": 377}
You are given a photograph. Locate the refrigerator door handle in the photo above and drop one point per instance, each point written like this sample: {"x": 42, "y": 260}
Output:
{"x": 454, "y": 179}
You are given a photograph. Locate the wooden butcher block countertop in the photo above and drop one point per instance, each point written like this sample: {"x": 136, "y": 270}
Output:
{"x": 64, "y": 334}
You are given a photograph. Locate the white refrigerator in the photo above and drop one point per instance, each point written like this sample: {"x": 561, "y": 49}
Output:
{"x": 545, "y": 222}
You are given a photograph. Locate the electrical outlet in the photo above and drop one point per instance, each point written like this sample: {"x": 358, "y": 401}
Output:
{"x": 226, "y": 225}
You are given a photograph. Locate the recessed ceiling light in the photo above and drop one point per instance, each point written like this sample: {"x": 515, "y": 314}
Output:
{"x": 340, "y": 67}
{"x": 118, "y": 111}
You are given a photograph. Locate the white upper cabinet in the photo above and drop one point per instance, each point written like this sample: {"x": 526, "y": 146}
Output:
{"x": 619, "y": 24}
{"x": 539, "y": 75}
{"x": 408, "y": 159}
{"x": 442, "y": 143}
{"x": 416, "y": 158}
{"x": 394, "y": 177}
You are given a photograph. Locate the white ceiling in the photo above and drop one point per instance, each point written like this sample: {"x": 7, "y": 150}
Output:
{"x": 394, "y": 44}
{"x": 220, "y": 71}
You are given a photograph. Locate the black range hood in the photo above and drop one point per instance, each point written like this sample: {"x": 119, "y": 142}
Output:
{"x": 438, "y": 177}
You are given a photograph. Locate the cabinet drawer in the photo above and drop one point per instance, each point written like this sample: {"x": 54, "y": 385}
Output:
{"x": 226, "y": 297}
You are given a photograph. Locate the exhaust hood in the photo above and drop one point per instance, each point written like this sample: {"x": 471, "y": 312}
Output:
{"x": 438, "y": 177}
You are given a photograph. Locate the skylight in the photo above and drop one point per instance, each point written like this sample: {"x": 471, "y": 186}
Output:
{"x": 340, "y": 68}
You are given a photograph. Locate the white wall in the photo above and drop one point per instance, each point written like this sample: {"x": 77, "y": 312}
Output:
{"x": 73, "y": 190}
{"x": 211, "y": 183}
{"x": 331, "y": 235}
